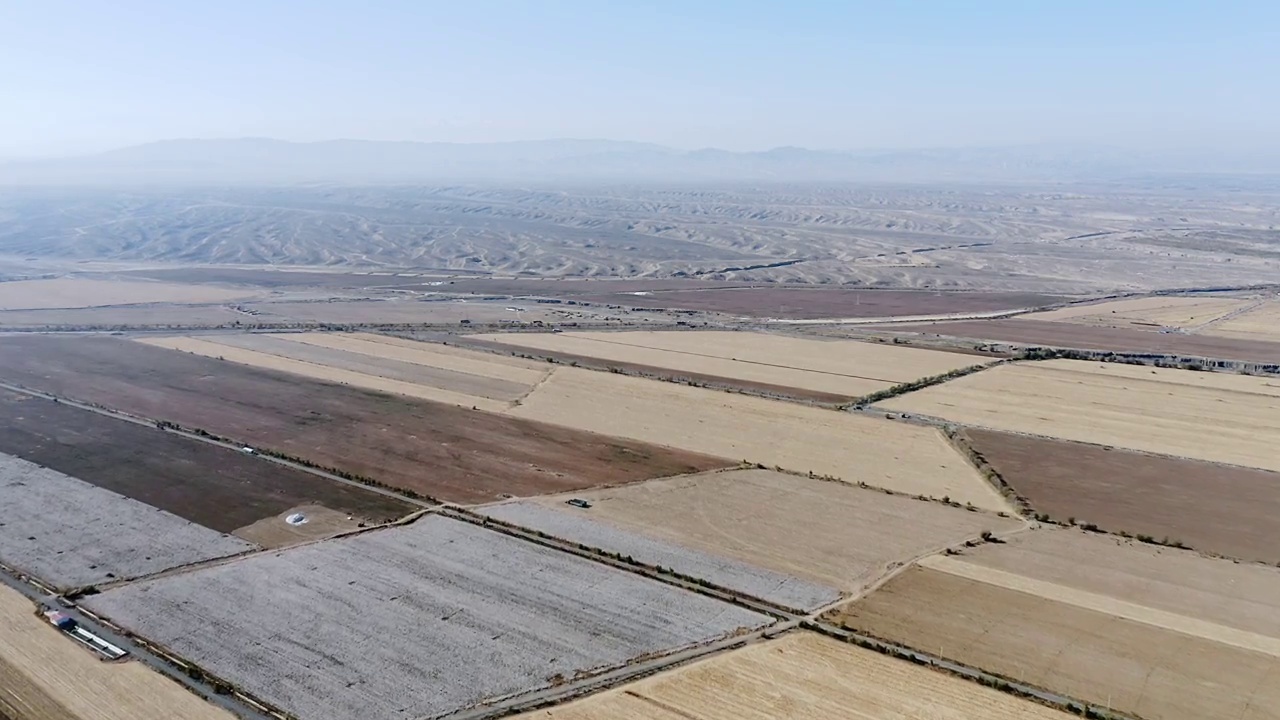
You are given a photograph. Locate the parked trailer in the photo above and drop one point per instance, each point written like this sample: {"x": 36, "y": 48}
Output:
{"x": 68, "y": 625}
{"x": 97, "y": 644}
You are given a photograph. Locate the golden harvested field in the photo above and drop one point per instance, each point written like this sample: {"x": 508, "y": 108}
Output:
{"x": 1206, "y": 416}
{"x": 1150, "y": 312}
{"x": 840, "y": 367}
{"x": 72, "y": 293}
{"x": 485, "y": 385}
{"x": 843, "y": 536}
{"x": 1261, "y": 323}
{"x": 1242, "y": 596}
{"x": 803, "y": 676}
{"x": 67, "y": 681}
{"x": 1086, "y": 653}
{"x": 897, "y": 456}
{"x": 502, "y": 367}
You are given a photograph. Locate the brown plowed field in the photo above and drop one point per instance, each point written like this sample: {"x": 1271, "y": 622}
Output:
{"x": 803, "y": 676}
{"x": 1214, "y": 508}
{"x": 1121, "y": 340}
{"x": 212, "y": 486}
{"x": 439, "y": 450}
{"x": 1133, "y": 667}
{"x": 813, "y": 303}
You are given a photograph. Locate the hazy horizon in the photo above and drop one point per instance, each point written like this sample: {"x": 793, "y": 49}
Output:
{"x": 84, "y": 78}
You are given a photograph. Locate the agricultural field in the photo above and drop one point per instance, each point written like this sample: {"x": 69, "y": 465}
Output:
{"x": 72, "y": 534}
{"x": 1099, "y": 654}
{"x": 1148, "y": 312}
{"x": 149, "y": 316}
{"x": 473, "y": 456}
{"x": 407, "y": 309}
{"x": 575, "y": 526}
{"x": 221, "y": 489}
{"x": 829, "y": 533}
{"x": 1232, "y": 419}
{"x": 840, "y": 368}
{"x": 481, "y": 614}
{"x": 892, "y": 455}
{"x": 1259, "y": 323}
{"x": 802, "y": 676}
{"x": 347, "y": 368}
{"x": 814, "y": 303}
{"x": 1198, "y": 595}
{"x": 78, "y": 293}
{"x": 1030, "y": 331}
{"x": 1213, "y": 508}
{"x": 46, "y": 676}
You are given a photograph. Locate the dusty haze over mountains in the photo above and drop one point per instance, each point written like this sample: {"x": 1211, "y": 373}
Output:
{"x": 260, "y": 160}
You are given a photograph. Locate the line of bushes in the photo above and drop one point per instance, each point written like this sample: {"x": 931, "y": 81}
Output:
{"x": 914, "y": 385}
{"x": 347, "y": 475}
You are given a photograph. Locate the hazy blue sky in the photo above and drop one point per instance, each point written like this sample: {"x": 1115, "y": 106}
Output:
{"x": 78, "y": 76}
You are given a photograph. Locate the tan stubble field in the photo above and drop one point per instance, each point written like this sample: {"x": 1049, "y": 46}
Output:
{"x": 840, "y": 367}
{"x": 827, "y": 532}
{"x": 1217, "y": 417}
{"x": 907, "y": 458}
{"x": 803, "y": 676}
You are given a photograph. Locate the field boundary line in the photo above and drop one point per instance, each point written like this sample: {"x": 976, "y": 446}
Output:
{"x": 981, "y": 677}
{"x": 1116, "y": 607}
{"x": 696, "y": 585}
{"x": 781, "y": 393}
{"x": 890, "y": 393}
{"x": 227, "y": 560}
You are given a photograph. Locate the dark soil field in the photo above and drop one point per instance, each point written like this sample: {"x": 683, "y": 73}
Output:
{"x": 436, "y": 450}
{"x": 1082, "y": 337}
{"x": 814, "y": 303}
{"x": 1225, "y": 510}
{"x": 781, "y": 392}
{"x": 218, "y": 488}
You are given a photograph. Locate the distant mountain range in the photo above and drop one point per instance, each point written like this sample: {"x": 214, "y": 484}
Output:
{"x": 256, "y": 160}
